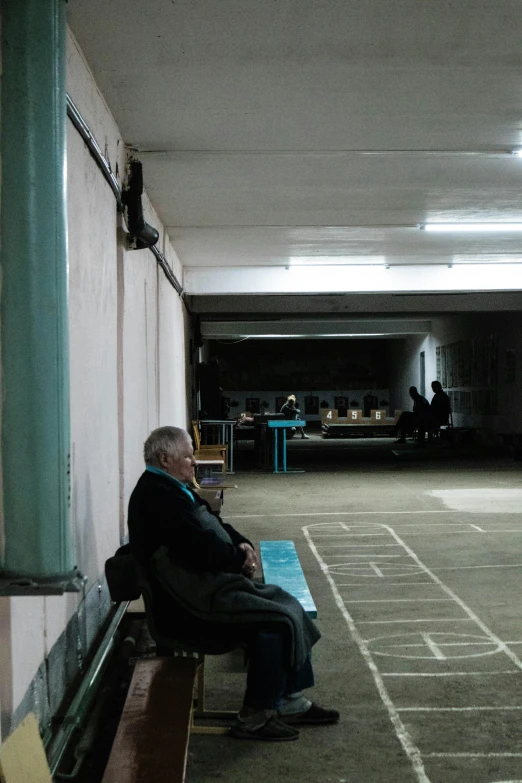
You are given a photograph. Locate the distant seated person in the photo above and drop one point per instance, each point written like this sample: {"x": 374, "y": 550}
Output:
{"x": 291, "y": 412}
{"x": 418, "y": 419}
{"x": 201, "y": 573}
{"x": 245, "y": 420}
{"x": 440, "y": 408}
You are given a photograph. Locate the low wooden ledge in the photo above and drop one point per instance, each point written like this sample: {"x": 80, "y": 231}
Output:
{"x": 152, "y": 738}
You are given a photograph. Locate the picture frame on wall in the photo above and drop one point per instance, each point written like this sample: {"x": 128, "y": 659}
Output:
{"x": 252, "y": 404}
{"x": 311, "y": 405}
{"x": 279, "y": 402}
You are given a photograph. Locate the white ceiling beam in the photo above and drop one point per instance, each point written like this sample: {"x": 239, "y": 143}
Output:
{"x": 302, "y": 280}
{"x": 296, "y": 327}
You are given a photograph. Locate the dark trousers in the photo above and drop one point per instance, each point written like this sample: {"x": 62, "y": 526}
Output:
{"x": 408, "y": 422}
{"x": 269, "y": 676}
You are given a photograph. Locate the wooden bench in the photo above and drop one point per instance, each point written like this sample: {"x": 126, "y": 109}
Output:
{"x": 354, "y": 424}
{"x": 281, "y": 567}
{"x": 152, "y": 738}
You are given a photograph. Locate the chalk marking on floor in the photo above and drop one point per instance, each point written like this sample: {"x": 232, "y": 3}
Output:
{"x": 417, "y": 497}
{"x": 442, "y": 644}
{"x": 381, "y": 570}
{"x": 461, "y": 568}
{"x": 424, "y": 532}
{"x": 435, "y": 649}
{"x": 411, "y": 750}
{"x": 351, "y": 535}
{"x": 396, "y": 600}
{"x": 341, "y": 513}
{"x": 507, "y": 781}
{"x": 383, "y": 584}
{"x": 458, "y": 709}
{"x": 367, "y": 554}
{"x": 430, "y": 642}
{"x": 465, "y": 608}
{"x": 429, "y": 620}
{"x": 477, "y": 528}
{"x": 451, "y": 674}
{"x": 354, "y": 546}
{"x": 472, "y": 755}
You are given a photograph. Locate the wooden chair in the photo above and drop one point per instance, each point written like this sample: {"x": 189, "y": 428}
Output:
{"x": 208, "y": 451}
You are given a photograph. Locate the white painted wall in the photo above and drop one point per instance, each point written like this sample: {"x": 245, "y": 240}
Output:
{"x": 412, "y": 278}
{"x": 127, "y": 334}
{"x": 404, "y": 365}
{"x": 404, "y": 369}
{"x": 508, "y": 328}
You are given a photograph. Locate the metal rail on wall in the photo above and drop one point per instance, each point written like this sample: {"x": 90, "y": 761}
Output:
{"x": 104, "y": 166}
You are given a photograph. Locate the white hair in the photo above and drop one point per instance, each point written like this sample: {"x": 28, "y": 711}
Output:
{"x": 164, "y": 440}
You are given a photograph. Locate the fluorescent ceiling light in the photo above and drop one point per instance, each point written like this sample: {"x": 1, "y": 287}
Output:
{"x": 470, "y": 228}
{"x": 487, "y": 259}
{"x": 336, "y": 260}
{"x": 313, "y": 335}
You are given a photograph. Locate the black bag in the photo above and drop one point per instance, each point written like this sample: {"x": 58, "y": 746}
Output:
{"x": 121, "y": 572}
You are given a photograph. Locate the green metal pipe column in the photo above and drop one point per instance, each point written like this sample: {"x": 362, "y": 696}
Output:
{"x": 34, "y": 318}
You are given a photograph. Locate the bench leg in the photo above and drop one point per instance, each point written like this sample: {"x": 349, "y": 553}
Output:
{"x": 201, "y": 712}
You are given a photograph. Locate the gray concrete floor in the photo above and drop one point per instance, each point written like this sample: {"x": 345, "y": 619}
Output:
{"x": 418, "y": 598}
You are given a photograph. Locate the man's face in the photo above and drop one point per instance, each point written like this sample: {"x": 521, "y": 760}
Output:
{"x": 180, "y": 467}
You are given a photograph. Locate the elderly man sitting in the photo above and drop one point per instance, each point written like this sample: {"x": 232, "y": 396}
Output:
{"x": 201, "y": 572}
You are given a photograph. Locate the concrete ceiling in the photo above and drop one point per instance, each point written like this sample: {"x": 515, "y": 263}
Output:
{"x": 282, "y": 132}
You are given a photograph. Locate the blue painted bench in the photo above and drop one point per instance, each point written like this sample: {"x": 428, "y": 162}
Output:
{"x": 281, "y": 567}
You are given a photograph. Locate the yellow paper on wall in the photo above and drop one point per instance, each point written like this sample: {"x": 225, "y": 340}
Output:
{"x": 22, "y": 756}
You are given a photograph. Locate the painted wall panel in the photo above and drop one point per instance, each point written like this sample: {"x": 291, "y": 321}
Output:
{"x": 139, "y": 360}
{"x": 27, "y": 643}
{"x": 122, "y": 349}
{"x": 448, "y": 330}
{"x": 92, "y": 336}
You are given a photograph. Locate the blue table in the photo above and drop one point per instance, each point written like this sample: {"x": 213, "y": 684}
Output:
{"x": 281, "y": 567}
{"x": 283, "y": 426}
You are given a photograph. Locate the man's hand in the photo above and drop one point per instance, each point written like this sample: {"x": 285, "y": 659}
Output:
{"x": 249, "y": 566}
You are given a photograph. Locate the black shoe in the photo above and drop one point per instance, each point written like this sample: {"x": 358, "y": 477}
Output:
{"x": 274, "y": 730}
{"x": 314, "y": 716}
